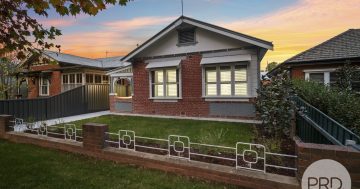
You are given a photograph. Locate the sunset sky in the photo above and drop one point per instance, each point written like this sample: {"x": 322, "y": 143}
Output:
{"x": 292, "y": 25}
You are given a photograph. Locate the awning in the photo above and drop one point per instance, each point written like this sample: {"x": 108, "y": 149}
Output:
{"x": 162, "y": 64}
{"x": 225, "y": 59}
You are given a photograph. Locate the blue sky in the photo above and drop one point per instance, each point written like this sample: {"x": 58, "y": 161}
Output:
{"x": 292, "y": 25}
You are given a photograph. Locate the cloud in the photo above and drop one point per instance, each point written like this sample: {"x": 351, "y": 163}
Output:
{"x": 136, "y": 23}
{"x": 301, "y": 26}
{"x": 58, "y": 22}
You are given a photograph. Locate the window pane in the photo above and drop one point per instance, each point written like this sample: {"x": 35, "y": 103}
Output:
{"x": 171, "y": 75}
{"x": 72, "y": 78}
{"x": 240, "y": 89}
{"x": 317, "y": 77}
{"x": 171, "y": 90}
{"x": 211, "y": 90}
{"x": 225, "y": 74}
{"x": 158, "y": 76}
{"x": 89, "y": 78}
{"x": 210, "y": 75}
{"x": 78, "y": 78}
{"x": 158, "y": 90}
{"x": 225, "y": 89}
{"x": 97, "y": 78}
{"x": 105, "y": 79}
{"x": 240, "y": 73}
{"x": 65, "y": 79}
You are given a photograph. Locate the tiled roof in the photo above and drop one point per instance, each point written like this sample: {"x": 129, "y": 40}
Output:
{"x": 342, "y": 46}
{"x": 110, "y": 62}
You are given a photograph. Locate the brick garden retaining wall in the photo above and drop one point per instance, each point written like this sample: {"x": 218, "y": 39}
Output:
{"x": 308, "y": 153}
{"x": 93, "y": 145}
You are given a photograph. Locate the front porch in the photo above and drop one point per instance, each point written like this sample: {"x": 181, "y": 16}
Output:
{"x": 121, "y": 89}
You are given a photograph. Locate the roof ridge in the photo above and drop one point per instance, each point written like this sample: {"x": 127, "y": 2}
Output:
{"x": 320, "y": 44}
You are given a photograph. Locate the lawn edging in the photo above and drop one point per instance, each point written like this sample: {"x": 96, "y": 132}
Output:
{"x": 93, "y": 146}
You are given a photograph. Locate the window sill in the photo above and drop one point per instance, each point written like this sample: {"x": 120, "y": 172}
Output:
{"x": 228, "y": 99}
{"x": 166, "y": 99}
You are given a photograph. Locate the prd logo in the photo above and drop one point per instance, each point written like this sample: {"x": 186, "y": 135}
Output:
{"x": 326, "y": 174}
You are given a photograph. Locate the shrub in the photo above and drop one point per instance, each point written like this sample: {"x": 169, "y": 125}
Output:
{"x": 341, "y": 105}
{"x": 274, "y": 105}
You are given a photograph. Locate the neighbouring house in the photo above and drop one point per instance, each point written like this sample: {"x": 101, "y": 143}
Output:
{"x": 320, "y": 63}
{"x": 190, "y": 68}
{"x": 60, "y": 72}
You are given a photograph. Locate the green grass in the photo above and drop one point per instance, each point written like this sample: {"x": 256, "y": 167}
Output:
{"x": 28, "y": 166}
{"x": 209, "y": 132}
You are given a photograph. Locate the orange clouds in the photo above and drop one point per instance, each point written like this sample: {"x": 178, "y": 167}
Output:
{"x": 299, "y": 27}
{"x": 136, "y": 23}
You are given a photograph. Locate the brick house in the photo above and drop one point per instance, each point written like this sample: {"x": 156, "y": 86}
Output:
{"x": 191, "y": 68}
{"x": 61, "y": 72}
{"x": 320, "y": 63}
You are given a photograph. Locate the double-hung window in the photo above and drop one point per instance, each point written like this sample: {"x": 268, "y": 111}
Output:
{"x": 225, "y": 81}
{"x": 44, "y": 86}
{"x": 165, "y": 83}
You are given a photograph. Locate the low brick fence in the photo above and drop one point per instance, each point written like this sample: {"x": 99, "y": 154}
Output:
{"x": 308, "y": 153}
{"x": 94, "y": 145}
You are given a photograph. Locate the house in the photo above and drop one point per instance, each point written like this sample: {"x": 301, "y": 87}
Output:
{"x": 320, "y": 63}
{"x": 54, "y": 72}
{"x": 191, "y": 68}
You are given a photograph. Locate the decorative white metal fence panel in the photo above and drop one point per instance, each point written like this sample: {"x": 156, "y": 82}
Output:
{"x": 62, "y": 131}
{"x": 248, "y": 156}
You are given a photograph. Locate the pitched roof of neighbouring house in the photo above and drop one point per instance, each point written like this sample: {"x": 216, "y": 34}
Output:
{"x": 204, "y": 25}
{"x": 110, "y": 62}
{"x": 343, "y": 46}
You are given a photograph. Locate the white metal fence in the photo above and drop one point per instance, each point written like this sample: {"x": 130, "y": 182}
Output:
{"x": 243, "y": 155}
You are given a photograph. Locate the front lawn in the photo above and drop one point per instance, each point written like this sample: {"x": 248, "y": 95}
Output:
{"x": 208, "y": 132}
{"x": 28, "y": 166}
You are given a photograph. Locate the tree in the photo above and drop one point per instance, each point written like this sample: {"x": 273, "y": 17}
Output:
{"x": 347, "y": 75}
{"x": 275, "y": 106}
{"x": 271, "y": 66}
{"x": 8, "y": 83}
{"x": 21, "y": 33}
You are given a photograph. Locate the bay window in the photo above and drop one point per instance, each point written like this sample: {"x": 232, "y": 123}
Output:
{"x": 165, "y": 83}
{"x": 225, "y": 81}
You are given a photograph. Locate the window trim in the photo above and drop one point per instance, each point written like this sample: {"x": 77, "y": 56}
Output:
{"x": 233, "y": 82}
{"x": 41, "y": 85}
{"x": 164, "y": 98}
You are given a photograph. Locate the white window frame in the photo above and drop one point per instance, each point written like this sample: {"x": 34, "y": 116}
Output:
{"x": 218, "y": 82}
{"x": 41, "y": 85}
{"x": 164, "y": 85}
{"x": 326, "y": 73}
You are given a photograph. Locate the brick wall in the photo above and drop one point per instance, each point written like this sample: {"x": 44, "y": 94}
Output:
{"x": 33, "y": 87}
{"x": 55, "y": 83}
{"x": 298, "y": 71}
{"x": 192, "y": 104}
{"x": 308, "y": 153}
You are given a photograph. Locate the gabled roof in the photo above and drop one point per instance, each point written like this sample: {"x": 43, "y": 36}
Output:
{"x": 343, "y": 46}
{"x": 110, "y": 62}
{"x": 204, "y": 25}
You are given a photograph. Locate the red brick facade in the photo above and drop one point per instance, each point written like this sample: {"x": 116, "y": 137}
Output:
{"x": 55, "y": 81}
{"x": 192, "y": 104}
{"x": 297, "y": 72}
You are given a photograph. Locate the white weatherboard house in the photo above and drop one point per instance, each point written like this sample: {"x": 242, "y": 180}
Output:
{"x": 191, "y": 68}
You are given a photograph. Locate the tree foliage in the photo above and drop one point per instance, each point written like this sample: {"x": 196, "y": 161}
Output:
{"x": 347, "y": 74}
{"x": 21, "y": 33}
{"x": 8, "y": 83}
{"x": 271, "y": 66}
{"x": 275, "y": 106}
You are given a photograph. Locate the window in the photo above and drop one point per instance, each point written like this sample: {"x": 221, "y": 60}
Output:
{"x": 89, "y": 78}
{"x": 316, "y": 77}
{"x": 186, "y": 36}
{"x": 65, "y": 79}
{"x": 105, "y": 79}
{"x": 72, "y": 78}
{"x": 225, "y": 81}
{"x": 44, "y": 86}
{"x": 97, "y": 78}
{"x": 78, "y": 78}
{"x": 165, "y": 83}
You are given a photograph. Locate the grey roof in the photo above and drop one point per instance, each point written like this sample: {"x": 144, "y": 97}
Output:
{"x": 110, "y": 62}
{"x": 343, "y": 46}
{"x": 182, "y": 18}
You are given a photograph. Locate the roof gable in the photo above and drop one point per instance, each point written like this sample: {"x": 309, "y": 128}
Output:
{"x": 343, "y": 46}
{"x": 204, "y": 26}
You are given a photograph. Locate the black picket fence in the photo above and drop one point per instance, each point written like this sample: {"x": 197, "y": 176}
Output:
{"x": 81, "y": 100}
